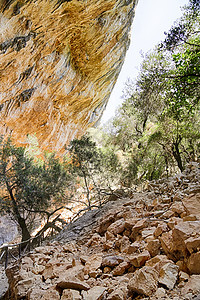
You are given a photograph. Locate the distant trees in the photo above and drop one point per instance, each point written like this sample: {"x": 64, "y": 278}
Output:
{"x": 27, "y": 187}
{"x": 92, "y": 169}
{"x": 157, "y": 126}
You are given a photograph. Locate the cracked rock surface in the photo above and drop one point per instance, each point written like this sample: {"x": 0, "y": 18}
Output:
{"x": 59, "y": 61}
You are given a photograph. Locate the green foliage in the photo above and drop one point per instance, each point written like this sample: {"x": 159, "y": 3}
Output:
{"x": 84, "y": 155}
{"x": 186, "y": 27}
{"x": 93, "y": 169}
{"x": 157, "y": 127}
{"x": 28, "y": 187}
{"x": 182, "y": 44}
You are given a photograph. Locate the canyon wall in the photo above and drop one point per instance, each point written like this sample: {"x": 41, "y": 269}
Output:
{"x": 59, "y": 61}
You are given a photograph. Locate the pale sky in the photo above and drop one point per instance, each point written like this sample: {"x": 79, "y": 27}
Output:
{"x": 152, "y": 19}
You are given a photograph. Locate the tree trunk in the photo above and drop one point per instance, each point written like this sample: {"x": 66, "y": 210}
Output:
{"x": 176, "y": 154}
{"x": 21, "y": 221}
{"x": 166, "y": 165}
{"x": 25, "y": 233}
{"x": 87, "y": 190}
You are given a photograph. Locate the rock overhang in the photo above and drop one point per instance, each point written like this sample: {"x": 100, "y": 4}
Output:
{"x": 59, "y": 61}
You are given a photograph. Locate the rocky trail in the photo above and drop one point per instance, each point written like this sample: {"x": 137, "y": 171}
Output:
{"x": 140, "y": 246}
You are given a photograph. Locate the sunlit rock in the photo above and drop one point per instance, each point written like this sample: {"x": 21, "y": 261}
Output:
{"x": 59, "y": 61}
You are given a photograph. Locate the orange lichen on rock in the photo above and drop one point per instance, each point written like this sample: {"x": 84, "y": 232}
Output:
{"x": 59, "y": 61}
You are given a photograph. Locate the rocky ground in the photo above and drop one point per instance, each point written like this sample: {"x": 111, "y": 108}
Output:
{"x": 141, "y": 246}
{"x": 8, "y": 229}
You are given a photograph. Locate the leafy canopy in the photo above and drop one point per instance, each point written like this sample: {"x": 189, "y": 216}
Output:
{"x": 28, "y": 187}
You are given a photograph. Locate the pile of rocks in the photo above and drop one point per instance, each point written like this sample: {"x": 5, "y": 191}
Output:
{"x": 175, "y": 188}
{"x": 146, "y": 247}
{"x": 8, "y": 229}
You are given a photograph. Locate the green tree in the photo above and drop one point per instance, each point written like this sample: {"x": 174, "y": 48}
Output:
{"x": 85, "y": 160}
{"x": 94, "y": 167}
{"x": 157, "y": 126}
{"x": 28, "y": 187}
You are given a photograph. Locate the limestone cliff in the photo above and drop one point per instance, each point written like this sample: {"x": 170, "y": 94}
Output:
{"x": 59, "y": 61}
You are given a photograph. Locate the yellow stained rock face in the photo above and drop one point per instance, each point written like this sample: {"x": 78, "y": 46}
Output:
{"x": 59, "y": 61}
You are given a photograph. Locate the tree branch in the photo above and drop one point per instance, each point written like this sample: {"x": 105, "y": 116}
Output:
{"x": 181, "y": 76}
